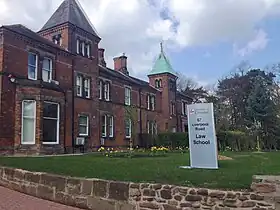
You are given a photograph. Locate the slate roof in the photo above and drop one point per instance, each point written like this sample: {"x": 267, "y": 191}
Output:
{"x": 162, "y": 65}
{"x": 70, "y": 11}
{"x": 22, "y": 30}
{"x": 130, "y": 79}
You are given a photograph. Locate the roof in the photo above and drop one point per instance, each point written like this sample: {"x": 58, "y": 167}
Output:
{"x": 162, "y": 65}
{"x": 130, "y": 79}
{"x": 21, "y": 29}
{"x": 70, "y": 11}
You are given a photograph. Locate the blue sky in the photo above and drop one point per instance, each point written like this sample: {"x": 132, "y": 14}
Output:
{"x": 210, "y": 63}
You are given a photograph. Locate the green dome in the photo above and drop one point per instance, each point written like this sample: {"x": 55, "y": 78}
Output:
{"x": 162, "y": 65}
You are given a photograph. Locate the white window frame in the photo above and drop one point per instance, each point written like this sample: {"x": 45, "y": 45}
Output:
{"x": 87, "y": 125}
{"x": 127, "y": 98}
{"x": 48, "y": 70}
{"x": 100, "y": 89}
{"x": 36, "y": 66}
{"x": 183, "y": 108}
{"x": 88, "y": 50}
{"x": 83, "y": 48}
{"x": 78, "y": 46}
{"x": 107, "y": 90}
{"x": 79, "y": 87}
{"x": 153, "y": 102}
{"x": 87, "y": 81}
{"x": 130, "y": 127}
{"x": 105, "y": 126}
{"x": 111, "y": 126}
{"x": 57, "y": 122}
{"x": 148, "y": 101}
{"x": 28, "y": 117}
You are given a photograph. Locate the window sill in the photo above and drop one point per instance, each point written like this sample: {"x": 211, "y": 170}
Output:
{"x": 50, "y": 143}
{"x": 82, "y": 97}
{"x": 33, "y": 143}
{"x": 83, "y": 135}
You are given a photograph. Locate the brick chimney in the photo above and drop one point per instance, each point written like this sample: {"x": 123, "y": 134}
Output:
{"x": 101, "y": 59}
{"x": 120, "y": 64}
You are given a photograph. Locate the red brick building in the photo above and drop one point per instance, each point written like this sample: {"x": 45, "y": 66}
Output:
{"x": 56, "y": 90}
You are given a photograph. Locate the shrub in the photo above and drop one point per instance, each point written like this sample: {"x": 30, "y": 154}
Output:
{"x": 235, "y": 141}
{"x": 172, "y": 140}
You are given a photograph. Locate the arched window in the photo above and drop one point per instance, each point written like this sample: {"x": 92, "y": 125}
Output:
{"x": 156, "y": 83}
{"x": 160, "y": 83}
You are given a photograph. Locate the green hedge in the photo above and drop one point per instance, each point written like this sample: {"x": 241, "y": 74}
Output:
{"x": 227, "y": 140}
{"x": 172, "y": 140}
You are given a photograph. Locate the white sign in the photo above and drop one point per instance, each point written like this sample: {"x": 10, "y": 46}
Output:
{"x": 202, "y": 136}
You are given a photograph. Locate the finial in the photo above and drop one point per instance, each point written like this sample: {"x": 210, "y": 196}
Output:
{"x": 123, "y": 54}
{"x": 161, "y": 46}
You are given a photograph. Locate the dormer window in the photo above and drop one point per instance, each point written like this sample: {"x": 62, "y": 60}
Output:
{"x": 57, "y": 39}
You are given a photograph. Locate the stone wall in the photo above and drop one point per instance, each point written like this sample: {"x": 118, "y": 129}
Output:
{"x": 99, "y": 194}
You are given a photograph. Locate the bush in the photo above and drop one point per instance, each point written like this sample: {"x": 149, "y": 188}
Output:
{"x": 235, "y": 140}
{"x": 172, "y": 140}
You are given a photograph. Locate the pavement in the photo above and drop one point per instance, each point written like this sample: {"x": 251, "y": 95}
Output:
{"x": 12, "y": 200}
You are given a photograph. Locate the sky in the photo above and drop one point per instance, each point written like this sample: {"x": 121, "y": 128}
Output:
{"x": 203, "y": 39}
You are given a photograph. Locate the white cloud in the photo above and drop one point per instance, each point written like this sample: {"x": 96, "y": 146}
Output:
{"x": 258, "y": 42}
{"x": 136, "y": 27}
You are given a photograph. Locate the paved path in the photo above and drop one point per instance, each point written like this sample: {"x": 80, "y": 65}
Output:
{"x": 12, "y": 200}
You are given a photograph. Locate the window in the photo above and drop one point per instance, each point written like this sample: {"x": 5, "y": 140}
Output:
{"x": 111, "y": 126}
{"x": 57, "y": 39}
{"x": 83, "y": 125}
{"x": 152, "y": 127}
{"x": 79, "y": 85}
{"x": 184, "y": 108}
{"x": 88, "y": 50}
{"x": 104, "y": 126}
{"x": 172, "y": 108}
{"x": 47, "y": 70}
{"x": 100, "y": 89}
{"x": 87, "y": 88}
{"x": 50, "y": 123}
{"x": 158, "y": 83}
{"x": 78, "y": 46}
{"x": 32, "y": 66}
{"x": 83, "y": 86}
{"x": 28, "y": 122}
{"x": 127, "y": 94}
{"x": 83, "y": 48}
{"x": 151, "y": 102}
{"x": 128, "y": 128}
{"x": 107, "y": 91}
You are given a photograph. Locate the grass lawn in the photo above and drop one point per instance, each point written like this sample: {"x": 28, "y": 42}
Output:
{"x": 232, "y": 174}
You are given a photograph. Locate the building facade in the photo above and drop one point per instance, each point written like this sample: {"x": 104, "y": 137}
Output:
{"x": 57, "y": 92}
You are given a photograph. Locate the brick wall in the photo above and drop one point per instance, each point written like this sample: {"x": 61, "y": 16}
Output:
{"x": 15, "y": 55}
{"x": 114, "y": 195}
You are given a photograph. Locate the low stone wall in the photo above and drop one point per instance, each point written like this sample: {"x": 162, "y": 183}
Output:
{"x": 99, "y": 194}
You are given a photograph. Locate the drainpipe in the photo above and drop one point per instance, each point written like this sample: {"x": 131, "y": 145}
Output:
{"x": 140, "y": 112}
{"x": 73, "y": 104}
{"x": 65, "y": 109}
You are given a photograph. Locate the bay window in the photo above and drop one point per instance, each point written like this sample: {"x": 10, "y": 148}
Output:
{"x": 28, "y": 127}
{"x": 50, "y": 123}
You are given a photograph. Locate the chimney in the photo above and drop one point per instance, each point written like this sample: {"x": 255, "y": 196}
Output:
{"x": 101, "y": 59}
{"x": 120, "y": 64}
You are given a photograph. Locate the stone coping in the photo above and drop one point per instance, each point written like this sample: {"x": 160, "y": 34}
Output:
{"x": 91, "y": 193}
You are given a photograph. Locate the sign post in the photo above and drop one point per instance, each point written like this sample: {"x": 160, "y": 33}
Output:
{"x": 202, "y": 136}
